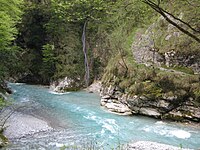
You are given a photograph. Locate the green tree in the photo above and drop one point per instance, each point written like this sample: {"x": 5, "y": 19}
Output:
{"x": 31, "y": 39}
{"x": 10, "y": 13}
{"x": 48, "y": 65}
{"x": 84, "y": 12}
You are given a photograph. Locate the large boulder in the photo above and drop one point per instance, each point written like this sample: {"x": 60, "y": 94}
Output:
{"x": 115, "y": 105}
{"x": 118, "y": 108}
{"x": 66, "y": 84}
{"x": 94, "y": 87}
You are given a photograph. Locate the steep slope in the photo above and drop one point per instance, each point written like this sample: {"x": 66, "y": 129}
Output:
{"x": 161, "y": 77}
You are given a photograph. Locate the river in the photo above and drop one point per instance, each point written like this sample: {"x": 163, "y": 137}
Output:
{"x": 78, "y": 119}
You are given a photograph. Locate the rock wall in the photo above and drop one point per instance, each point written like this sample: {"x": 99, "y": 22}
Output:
{"x": 165, "y": 108}
{"x": 159, "y": 46}
{"x": 163, "y": 44}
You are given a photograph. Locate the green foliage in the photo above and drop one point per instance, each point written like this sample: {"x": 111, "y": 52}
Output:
{"x": 167, "y": 37}
{"x": 151, "y": 83}
{"x": 147, "y": 81}
{"x": 3, "y": 139}
{"x": 48, "y": 66}
{"x": 32, "y": 37}
{"x": 68, "y": 55}
{"x": 126, "y": 17}
{"x": 75, "y": 10}
{"x": 10, "y": 13}
{"x": 3, "y": 103}
{"x": 180, "y": 69}
{"x": 50, "y": 41}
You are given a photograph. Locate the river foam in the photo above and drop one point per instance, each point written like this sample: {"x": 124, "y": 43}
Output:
{"x": 57, "y": 93}
{"x": 107, "y": 124}
{"x": 164, "y": 130}
{"x": 79, "y": 118}
{"x": 180, "y": 134}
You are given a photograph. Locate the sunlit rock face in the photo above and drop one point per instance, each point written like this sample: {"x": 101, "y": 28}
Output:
{"x": 167, "y": 107}
{"x": 66, "y": 84}
{"x": 162, "y": 45}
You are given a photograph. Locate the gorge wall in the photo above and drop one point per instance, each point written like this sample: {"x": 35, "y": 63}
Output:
{"x": 162, "y": 79}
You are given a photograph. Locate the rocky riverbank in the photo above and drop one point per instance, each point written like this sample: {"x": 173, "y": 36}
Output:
{"x": 147, "y": 145}
{"x": 20, "y": 125}
{"x": 95, "y": 87}
{"x": 165, "y": 108}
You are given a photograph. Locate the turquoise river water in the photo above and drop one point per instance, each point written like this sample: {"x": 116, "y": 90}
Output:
{"x": 78, "y": 119}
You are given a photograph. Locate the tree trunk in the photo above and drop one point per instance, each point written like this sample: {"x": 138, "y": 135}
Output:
{"x": 87, "y": 69}
{"x": 124, "y": 63}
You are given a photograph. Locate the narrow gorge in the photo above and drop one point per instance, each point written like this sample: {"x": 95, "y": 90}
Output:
{"x": 100, "y": 74}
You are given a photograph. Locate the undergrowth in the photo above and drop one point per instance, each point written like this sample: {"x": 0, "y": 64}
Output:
{"x": 151, "y": 82}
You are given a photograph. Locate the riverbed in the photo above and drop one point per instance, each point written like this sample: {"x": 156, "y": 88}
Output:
{"x": 76, "y": 119}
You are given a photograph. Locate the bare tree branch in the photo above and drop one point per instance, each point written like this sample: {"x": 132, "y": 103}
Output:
{"x": 123, "y": 60}
{"x": 165, "y": 14}
{"x": 4, "y": 118}
{"x": 180, "y": 21}
{"x": 190, "y": 3}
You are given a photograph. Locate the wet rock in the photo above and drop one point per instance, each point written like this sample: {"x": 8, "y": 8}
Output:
{"x": 163, "y": 104}
{"x": 141, "y": 102}
{"x": 4, "y": 89}
{"x": 165, "y": 108}
{"x": 103, "y": 102}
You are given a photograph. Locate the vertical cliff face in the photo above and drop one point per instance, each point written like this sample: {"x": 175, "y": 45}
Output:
{"x": 162, "y": 80}
{"x": 163, "y": 45}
